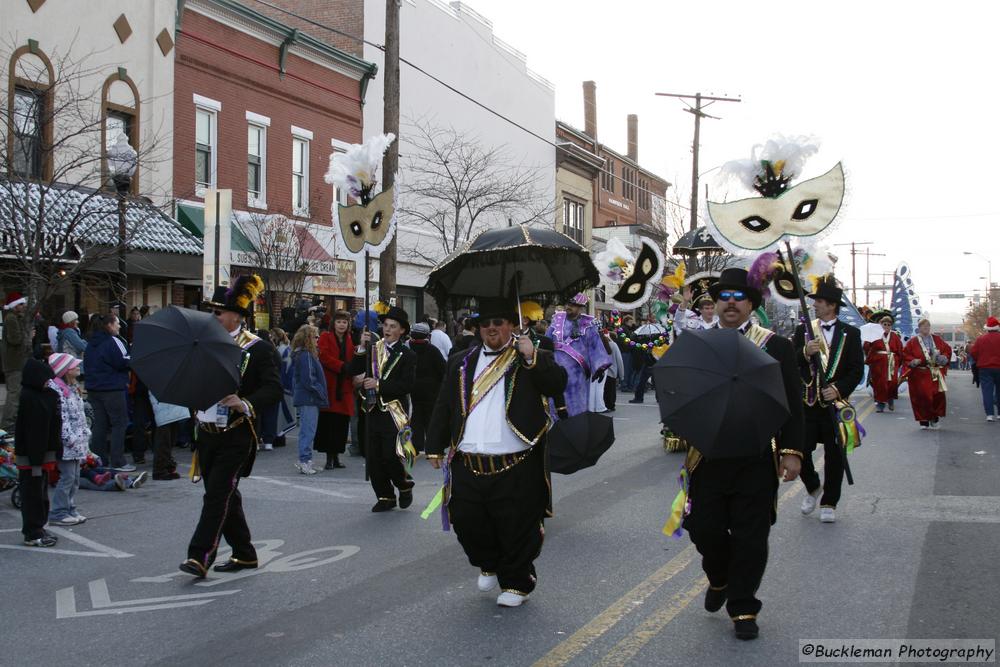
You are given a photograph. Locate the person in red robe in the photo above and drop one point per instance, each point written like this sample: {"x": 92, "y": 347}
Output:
{"x": 925, "y": 358}
{"x": 884, "y": 357}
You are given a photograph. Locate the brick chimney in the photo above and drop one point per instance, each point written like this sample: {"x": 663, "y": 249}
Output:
{"x": 590, "y": 109}
{"x": 633, "y": 137}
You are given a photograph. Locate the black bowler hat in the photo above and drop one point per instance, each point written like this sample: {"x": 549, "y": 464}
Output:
{"x": 827, "y": 289}
{"x": 497, "y": 307}
{"x": 736, "y": 279}
{"x": 399, "y": 315}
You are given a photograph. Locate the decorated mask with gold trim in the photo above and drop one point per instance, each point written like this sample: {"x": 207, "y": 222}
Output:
{"x": 370, "y": 224}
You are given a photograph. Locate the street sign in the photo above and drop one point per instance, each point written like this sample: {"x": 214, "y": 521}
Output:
{"x": 951, "y": 296}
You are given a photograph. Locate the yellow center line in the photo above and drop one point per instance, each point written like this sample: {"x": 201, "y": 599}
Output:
{"x": 575, "y": 644}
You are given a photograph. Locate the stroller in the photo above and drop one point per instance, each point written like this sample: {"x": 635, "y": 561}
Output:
{"x": 8, "y": 471}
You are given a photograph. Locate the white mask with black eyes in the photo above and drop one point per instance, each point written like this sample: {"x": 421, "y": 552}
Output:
{"x": 803, "y": 210}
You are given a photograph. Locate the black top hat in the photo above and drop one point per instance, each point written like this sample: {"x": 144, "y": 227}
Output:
{"x": 827, "y": 289}
{"x": 497, "y": 307}
{"x": 736, "y": 279}
{"x": 880, "y": 315}
{"x": 399, "y": 315}
{"x": 699, "y": 284}
{"x": 240, "y": 297}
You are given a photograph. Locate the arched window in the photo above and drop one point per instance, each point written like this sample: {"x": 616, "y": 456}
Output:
{"x": 29, "y": 113}
{"x": 119, "y": 115}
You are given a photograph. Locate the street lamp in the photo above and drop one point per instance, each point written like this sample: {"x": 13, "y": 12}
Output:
{"x": 121, "y": 164}
{"x": 989, "y": 280}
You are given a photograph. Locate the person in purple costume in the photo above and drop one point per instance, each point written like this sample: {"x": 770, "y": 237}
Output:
{"x": 579, "y": 350}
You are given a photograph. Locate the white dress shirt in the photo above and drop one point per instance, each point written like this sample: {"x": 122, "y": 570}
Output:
{"x": 828, "y": 330}
{"x": 486, "y": 428}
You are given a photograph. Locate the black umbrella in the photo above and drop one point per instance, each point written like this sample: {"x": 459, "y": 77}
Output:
{"x": 721, "y": 393}
{"x": 543, "y": 261}
{"x": 186, "y": 357}
{"x": 577, "y": 442}
{"x": 697, "y": 240}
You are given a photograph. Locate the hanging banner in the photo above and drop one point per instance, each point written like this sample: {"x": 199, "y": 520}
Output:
{"x": 217, "y": 241}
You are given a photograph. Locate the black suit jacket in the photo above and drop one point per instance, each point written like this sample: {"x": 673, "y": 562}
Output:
{"x": 793, "y": 430}
{"x": 260, "y": 385}
{"x": 525, "y": 411}
{"x": 398, "y": 385}
{"x": 850, "y": 363}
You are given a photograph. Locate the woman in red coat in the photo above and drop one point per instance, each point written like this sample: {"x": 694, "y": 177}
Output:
{"x": 335, "y": 353}
{"x": 926, "y": 358}
{"x": 884, "y": 357}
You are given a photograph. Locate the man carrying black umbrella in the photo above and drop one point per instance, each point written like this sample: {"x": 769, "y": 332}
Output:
{"x": 227, "y": 438}
{"x": 733, "y": 500}
{"x": 489, "y": 428}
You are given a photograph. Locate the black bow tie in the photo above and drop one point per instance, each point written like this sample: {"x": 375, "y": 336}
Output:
{"x": 828, "y": 327}
{"x": 491, "y": 353}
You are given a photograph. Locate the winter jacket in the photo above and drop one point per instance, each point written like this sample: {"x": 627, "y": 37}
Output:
{"x": 167, "y": 413}
{"x": 308, "y": 383}
{"x": 75, "y": 433}
{"x": 71, "y": 342}
{"x": 336, "y": 365}
{"x": 986, "y": 350}
{"x": 16, "y": 341}
{"x": 106, "y": 363}
{"x": 430, "y": 371}
{"x": 38, "y": 429}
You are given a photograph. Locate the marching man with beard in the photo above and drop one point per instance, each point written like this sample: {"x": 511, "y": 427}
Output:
{"x": 489, "y": 429}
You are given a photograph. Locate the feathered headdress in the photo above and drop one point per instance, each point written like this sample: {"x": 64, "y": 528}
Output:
{"x": 245, "y": 291}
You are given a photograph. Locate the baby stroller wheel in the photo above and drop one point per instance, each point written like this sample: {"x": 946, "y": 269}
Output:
{"x": 15, "y": 497}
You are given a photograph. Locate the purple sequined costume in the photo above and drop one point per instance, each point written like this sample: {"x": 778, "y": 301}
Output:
{"x": 580, "y": 351}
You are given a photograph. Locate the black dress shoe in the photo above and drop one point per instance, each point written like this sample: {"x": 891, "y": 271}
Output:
{"x": 234, "y": 565}
{"x": 715, "y": 598}
{"x": 337, "y": 463}
{"x": 329, "y": 465}
{"x": 405, "y": 498}
{"x": 193, "y": 567}
{"x": 746, "y": 628}
{"x": 384, "y": 505}
{"x": 165, "y": 476}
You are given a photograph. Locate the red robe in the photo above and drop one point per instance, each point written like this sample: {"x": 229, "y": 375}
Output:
{"x": 339, "y": 383}
{"x": 884, "y": 359}
{"x": 927, "y": 381}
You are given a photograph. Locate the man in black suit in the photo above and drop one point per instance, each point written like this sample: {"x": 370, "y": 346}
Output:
{"x": 489, "y": 428}
{"x": 733, "y": 500}
{"x": 828, "y": 383}
{"x": 385, "y": 372}
{"x": 226, "y": 438}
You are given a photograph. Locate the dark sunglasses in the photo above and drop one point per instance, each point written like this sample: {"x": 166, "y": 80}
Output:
{"x": 493, "y": 322}
{"x": 735, "y": 295}
{"x": 217, "y": 312}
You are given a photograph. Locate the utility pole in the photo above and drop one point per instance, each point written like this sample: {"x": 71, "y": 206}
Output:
{"x": 854, "y": 272}
{"x": 698, "y": 114}
{"x": 390, "y": 123}
{"x": 868, "y": 275}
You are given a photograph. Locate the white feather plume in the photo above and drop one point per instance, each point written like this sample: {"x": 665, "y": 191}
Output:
{"x": 354, "y": 169}
{"x": 794, "y": 151}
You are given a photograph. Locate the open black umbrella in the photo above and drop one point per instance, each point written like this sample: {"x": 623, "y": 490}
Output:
{"x": 721, "y": 393}
{"x": 543, "y": 261}
{"x": 697, "y": 240}
{"x": 577, "y": 442}
{"x": 186, "y": 357}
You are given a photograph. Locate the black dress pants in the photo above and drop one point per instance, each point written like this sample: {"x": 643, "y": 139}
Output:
{"x": 498, "y": 519}
{"x": 223, "y": 458}
{"x": 34, "y": 503}
{"x": 419, "y": 422}
{"x": 732, "y": 509}
{"x": 819, "y": 428}
{"x": 385, "y": 470}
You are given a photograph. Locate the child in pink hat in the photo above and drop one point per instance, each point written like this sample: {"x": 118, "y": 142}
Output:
{"x": 75, "y": 440}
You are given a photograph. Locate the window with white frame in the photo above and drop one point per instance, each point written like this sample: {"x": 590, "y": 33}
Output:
{"x": 206, "y": 134}
{"x": 573, "y": 213}
{"x": 300, "y": 171}
{"x": 256, "y": 165}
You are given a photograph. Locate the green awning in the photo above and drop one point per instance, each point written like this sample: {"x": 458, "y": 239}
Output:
{"x": 192, "y": 218}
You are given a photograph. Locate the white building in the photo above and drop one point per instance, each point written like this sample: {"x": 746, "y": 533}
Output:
{"x": 457, "y": 45}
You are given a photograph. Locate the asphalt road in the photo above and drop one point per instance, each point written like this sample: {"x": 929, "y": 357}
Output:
{"x": 913, "y": 554}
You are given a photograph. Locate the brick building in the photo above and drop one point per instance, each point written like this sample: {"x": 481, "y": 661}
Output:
{"x": 626, "y": 200}
{"x": 259, "y": 106}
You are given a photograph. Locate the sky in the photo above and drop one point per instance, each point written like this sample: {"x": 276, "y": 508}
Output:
{"x": 904, "y": 94}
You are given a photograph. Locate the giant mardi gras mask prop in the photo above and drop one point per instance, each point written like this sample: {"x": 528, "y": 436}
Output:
{"x": 369, "y": 226}
{"x": 631, "y": 278}
{"x": 781, "y": 212}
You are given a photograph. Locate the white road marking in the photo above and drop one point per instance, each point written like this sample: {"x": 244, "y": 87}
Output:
{"x": 311, "y": 489}
{"x": 102, "y": 605}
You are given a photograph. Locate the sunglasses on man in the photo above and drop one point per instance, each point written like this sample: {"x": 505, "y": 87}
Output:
{"x": 493, "y": 322}
{"x": 735, "y": 295}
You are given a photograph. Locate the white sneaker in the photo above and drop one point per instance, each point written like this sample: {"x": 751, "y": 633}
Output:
{"x": 306, "y": 468}
{"x": 486, "y": 582}
{"x": 935, "y": 426}
{"x": 80, "y": 518}
{"x": 67, "y": 521}
{"x": 809, "y": 502}
{"x": 827, "y": 515}
{"x": 511, "y": 599}
{"x": 989, "y": 418}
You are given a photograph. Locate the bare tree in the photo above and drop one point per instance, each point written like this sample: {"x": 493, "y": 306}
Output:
{"x": 455, "y": 187}
{"x": 57, "y": 218}
{"x": 676, "y": 224}
{"x": 975, "y": 318}
{"x": 277, "y": 255}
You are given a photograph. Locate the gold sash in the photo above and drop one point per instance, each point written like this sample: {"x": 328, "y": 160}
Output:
{"x": 932, "y": 365}
{"x": 493, "y": 374}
